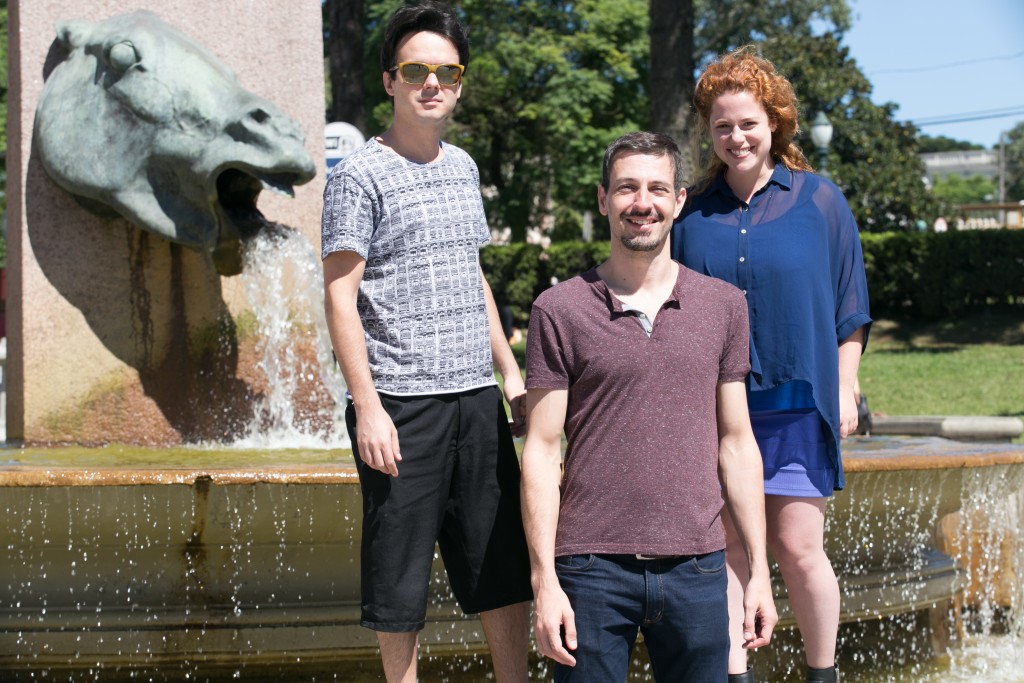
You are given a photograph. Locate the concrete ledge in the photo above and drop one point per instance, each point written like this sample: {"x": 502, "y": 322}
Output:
{"x": 958, "y": 427}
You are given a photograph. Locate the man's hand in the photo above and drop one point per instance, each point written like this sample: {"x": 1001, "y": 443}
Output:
{"x": 377, "y": 439}
{"x": 515, "y": 395}
{"x": 759, "y": 615}
{"x": 553, "y": 620}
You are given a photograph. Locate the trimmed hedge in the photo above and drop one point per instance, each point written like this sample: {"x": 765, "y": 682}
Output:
{"x": 566, "y": 260}
{"x": 514, "y": 273}
{"x": 916, "y": 274}
{"x": 942, "y": 275}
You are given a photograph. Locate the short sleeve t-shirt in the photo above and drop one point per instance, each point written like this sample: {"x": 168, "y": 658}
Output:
{"x": 641, "y": 465}
{"x": 421, "y": 301}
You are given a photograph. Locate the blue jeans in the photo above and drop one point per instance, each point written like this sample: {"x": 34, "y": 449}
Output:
{"x": 678, "y": 604}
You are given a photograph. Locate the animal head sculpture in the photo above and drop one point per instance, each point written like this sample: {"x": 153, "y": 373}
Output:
{"x": 141, "y": 120}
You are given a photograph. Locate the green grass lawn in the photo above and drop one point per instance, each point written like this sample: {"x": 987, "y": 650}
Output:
{"x": 972, "y": 367}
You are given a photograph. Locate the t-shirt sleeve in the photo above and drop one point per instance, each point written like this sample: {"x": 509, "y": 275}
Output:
{"x": 735, "y": 363}
{"x": 546, "y": 363}
{"x": 484, "y": 236}
{"x": 348, "y": 219}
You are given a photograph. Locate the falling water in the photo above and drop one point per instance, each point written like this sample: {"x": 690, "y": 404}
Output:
{"x": 980, "y": 636}
{"x": 283, "y": 284}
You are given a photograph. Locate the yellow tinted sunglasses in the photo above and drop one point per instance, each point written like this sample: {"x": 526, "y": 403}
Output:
{"x": 415, "y": 73}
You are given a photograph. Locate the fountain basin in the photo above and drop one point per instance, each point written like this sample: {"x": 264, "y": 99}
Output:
{"x": 215, "y": 562}
{"x": 221, "y": 557}
{"x": 892, "y": 533}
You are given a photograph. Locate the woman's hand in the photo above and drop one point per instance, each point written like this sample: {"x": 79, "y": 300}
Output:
{"x": 847, "y": 411}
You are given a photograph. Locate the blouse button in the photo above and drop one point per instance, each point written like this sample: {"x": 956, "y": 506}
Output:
{"x": 743, "y": 231}
{"x": 744, "y": 292}
{"x": 742, "y": 259}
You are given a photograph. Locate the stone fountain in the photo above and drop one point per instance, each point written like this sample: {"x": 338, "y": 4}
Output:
{"x": 137, "y": 559}
{"x": 153, "y": 550}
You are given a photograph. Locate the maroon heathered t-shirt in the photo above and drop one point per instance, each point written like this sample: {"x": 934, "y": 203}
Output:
{"x": 641, "y": 467}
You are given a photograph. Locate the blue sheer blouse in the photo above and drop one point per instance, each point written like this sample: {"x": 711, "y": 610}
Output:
{"x": 795, "y": 253}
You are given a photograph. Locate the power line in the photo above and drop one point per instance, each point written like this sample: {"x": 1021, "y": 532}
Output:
{"x": 919, "y": 69}
{"x": 995, "y": 112}
{"x": 970, "y": 116}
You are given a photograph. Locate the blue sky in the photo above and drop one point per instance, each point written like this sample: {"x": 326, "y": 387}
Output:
{"x": 944, "y": 60}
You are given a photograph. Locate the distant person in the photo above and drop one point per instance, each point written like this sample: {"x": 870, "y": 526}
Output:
{"x": 415, "y": 331}
{"x": 761, "y": 220}
{"x": 641, "y": 362}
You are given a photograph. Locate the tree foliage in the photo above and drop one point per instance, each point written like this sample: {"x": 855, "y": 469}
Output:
{"x": 723, "y": 25}
{"x": 873, "y": 157}
{"x": 955, "y": 189}
{"x": 940, "y": 143}
{"x": 545, "y": 95}
{"x": 552, "y": 82}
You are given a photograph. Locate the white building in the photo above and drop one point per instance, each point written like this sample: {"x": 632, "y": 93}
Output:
{"x": 964, "y": 163}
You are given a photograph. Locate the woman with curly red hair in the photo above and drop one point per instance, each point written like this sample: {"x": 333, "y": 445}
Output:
{"x": 762, "y": 220}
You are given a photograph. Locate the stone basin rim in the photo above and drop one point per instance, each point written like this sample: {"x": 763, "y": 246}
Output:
{"x": 909, "y": 454}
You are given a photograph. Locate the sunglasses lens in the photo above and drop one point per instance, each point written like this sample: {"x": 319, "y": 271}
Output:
{"x": 448, "y": 74}
{"x": 415, "y": 73}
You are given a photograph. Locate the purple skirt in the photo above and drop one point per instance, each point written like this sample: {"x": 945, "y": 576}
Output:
{"x": 793, "y": 443}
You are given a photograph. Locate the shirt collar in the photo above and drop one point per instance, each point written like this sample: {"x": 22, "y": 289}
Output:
{"x": 615, "y": 306}
{"x": 781, "y": 176}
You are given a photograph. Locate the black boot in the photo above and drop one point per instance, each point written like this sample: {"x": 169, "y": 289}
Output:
{"x": 827, "y": 675}
{"x": 745, "y": 677}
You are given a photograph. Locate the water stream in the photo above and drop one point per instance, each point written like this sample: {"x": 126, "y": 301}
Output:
{"x": 283, "y": 284}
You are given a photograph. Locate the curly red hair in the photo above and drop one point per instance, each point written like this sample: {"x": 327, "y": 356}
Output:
{"x": 744, "y": 70}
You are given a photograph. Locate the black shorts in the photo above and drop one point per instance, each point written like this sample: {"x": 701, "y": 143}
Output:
{"x": 458, "y": 486}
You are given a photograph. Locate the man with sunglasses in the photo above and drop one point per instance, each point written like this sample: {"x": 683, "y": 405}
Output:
{"x": 642, "y": 363}
{"x": 417, "y": 336}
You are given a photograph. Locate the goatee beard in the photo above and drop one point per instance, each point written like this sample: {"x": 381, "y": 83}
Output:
{"x": 640, "y": 243}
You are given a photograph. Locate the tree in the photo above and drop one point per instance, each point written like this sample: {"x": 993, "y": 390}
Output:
{"x": 345, "y": 20}
{"x": 1014, "y": 150}
{"x": 3, "y": 120}
{"x": 873, "y": 157}
{"x": 955, "y": 189}
{"x": 940, "y": 143}
{"x": 723, "y": 25}
{"x": 704, "y": 29}
{"x": 672, "y": 72}
{"x": 550, "y": 84}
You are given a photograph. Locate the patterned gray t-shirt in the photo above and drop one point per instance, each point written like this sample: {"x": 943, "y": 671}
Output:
{"x": 419, "y": 227}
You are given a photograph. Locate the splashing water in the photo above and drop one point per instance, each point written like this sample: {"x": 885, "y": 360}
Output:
{"x": 284, "y": 287}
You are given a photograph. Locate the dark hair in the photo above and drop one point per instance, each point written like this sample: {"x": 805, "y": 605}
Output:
{"x": 744, "y": 70}
{"x": 654, "y": 144}
{"x": 433, "y": 17}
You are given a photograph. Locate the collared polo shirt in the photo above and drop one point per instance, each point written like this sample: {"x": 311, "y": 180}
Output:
{"x": 641, "y": 465}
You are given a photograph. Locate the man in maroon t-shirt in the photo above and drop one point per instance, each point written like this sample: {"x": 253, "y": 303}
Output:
{"x": 642, "y": 363}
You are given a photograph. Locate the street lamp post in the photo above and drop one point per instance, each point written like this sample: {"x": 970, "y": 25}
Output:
{"x": 821, "y": 136}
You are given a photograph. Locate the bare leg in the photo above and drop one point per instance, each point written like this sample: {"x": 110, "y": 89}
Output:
{"x": 739, "y": 573}
{"x": 796, "y": 528}
{"x": 398, "y": 654}
{"x": 508, "y": 636}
